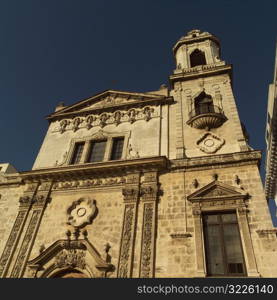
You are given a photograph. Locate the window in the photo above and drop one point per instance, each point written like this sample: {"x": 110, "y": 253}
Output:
{"x": 96, "y": 151}
{"x": 98, "y": 148}
{"x": 197, "y": 58}
{"x": 203, "y": 104}
{"x": 117, "y": 148}
{"x": 222, "y": 245}
{"x": 77, "y": 154}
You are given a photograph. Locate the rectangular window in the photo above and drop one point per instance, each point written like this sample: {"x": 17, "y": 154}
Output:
{"x": 223, "y": 245}
{"x": 96, "y": 151}
{"x": 117, "y": 148}
{"x": 77, "y": 154}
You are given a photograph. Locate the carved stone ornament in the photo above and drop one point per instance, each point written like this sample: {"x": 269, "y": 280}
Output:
{"x": 63, "y": 125}
{"x": 76, "y": 123}
{"x": 71, "y": 258}
{"x": 82, "y": 212}
{"x": 130, "y": 194}
{"x": 210, "y": 143}
{"x": 105, "y": 118}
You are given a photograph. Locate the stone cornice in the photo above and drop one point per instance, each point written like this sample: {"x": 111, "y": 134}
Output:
{"x": 201, "y": 71}
{"x": 143, "y": 100}
{"x": 109, "y": 168}
{"x": 205, "y": 162}
{"x": 197, "y": 39}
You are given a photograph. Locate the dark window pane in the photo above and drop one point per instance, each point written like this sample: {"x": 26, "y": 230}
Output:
{"x": 117, "y": 148}
{"x": 197, "y": 58}
{"x": 224, "y": 254}
{"x": 210, "y": 219}
{"x": 77, "y": 154}
{"x": 215, "y": 263}
{"x": 97, "y": 151}
{"x": 233, "y": 246}
{"x": 229, "y": 218}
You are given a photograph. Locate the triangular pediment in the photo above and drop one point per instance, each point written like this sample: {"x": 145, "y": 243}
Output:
{"x": 217, "y": 190}
{"x": 105, "y": 101}
{"x": 68, "y": 254}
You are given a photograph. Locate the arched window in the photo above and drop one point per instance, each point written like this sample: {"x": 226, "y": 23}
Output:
{"x": 197, "y": 58}
{"x": 203, "y": 104}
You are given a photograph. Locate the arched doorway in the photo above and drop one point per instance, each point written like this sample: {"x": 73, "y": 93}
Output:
{"x": 71, "y": 273}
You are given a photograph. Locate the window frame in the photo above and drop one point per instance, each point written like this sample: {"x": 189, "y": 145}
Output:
{"x": 220, "y": 225}
{"x": 94, "y": 137}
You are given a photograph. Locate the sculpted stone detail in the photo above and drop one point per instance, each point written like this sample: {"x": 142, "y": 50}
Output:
{"x": 63, "y": 161}
{"x": 103, "y": 119}
{"x": 82, "y": 212}
{"x": 146, "y": 268}
{"x": 63, "y": 125}
{"x": 89, "y": 119}
{"x": 130, "y": 194}
{"x": 20, "y": 261}
{"x": 70, "y": 258}
{"x": 119, "y": 116}
{"x": 84, "y": 184}
{"x": 149, "y": 192}
{"x": 12, "y": 240}
{"x": 131, "y": 152}
{"x": 24, "y": 201}
{"x": 75, "y": 124}
{"x": 132, "y": 115}
{"x": 210, "y": 143}
{"x": 126, "y": 242}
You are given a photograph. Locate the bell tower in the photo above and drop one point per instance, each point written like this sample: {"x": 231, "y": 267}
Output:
{"x": 206, "y": 117}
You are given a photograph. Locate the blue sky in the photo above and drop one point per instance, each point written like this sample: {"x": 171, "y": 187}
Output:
{"x": 52, "y": 51}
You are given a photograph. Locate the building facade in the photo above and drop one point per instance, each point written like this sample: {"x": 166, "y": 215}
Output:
{"x": 154, "y": 184}
{"x": 271, "y": 138}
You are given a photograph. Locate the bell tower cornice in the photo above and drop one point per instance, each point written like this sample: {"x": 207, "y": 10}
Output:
{"x": 198, "y": 54}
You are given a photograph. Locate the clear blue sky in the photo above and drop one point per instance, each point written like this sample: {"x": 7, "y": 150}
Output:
{"x": 52, "y": 51}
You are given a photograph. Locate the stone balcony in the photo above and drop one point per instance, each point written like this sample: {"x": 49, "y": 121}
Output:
{"x": 210, "y": 117}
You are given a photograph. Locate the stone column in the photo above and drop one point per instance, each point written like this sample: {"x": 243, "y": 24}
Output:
{"x": 247, "y": 243}
{"x": 199, "y": 244}
{"x": 131, "y": 194}
{"x": 180, "y": 149}
{"x": 39, "y": 204}
{"x": 149, "y": 192}
{"x": 25, "y": 203}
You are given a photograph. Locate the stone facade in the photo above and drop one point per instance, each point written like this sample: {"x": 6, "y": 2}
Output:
{"x": 271, "y": 139}
{"x": 184, "y": 157}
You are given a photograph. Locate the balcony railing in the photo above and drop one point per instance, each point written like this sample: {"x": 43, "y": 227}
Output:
{"x": 206, "y": 117}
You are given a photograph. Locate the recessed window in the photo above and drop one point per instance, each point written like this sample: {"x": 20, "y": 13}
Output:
{"x": 77, "y": 153}
{"x": 96, "y": 151}
{"x": 197, "y": 58}
{"x": 117, "y": 148}
{"x": 224, "y": 254}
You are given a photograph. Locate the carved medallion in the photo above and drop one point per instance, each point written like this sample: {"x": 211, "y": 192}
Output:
{"x": 210, "y": 143}
{"x": 82, "y": 212}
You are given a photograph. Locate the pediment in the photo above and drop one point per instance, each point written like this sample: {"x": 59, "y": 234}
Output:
{"x": 217, "y": 190}
{"x": 106, "y": 101}
{"x": 68, "y": 254}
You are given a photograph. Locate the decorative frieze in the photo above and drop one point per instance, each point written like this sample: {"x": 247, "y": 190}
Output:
{"x": 105, "y": 118}
{"x": 88, "y": 183}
